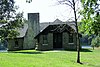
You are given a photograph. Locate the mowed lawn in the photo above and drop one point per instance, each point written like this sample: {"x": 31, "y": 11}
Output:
{"x": 32, "y": 58}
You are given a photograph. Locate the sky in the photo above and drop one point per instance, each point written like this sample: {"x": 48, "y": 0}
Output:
{"x": 49, "y": 9}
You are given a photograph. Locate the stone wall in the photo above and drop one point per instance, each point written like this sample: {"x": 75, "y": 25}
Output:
{"x": 50, "y": 40}
{"x": 74, "y": 39}
{"x": 65, "y": 39}
{"x": 11, "y": 44}
{"x": 33, "y": 30}
{"x": 47, "y": 46}
{"x": 39, "y": 47}
{"x": 65, "y": 42}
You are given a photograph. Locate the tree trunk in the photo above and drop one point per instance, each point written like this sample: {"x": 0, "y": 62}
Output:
{"x": 77, "y": 40}
{"x": 93, "y": 47}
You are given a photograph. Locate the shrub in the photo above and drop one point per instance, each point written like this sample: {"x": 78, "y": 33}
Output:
{"x": 95, "y": 42}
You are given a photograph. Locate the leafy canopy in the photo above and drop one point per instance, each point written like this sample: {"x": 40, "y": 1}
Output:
{"x": 9, "y": 19}
{"x": 90, "y": 23}
{"x": 96, "y": 41}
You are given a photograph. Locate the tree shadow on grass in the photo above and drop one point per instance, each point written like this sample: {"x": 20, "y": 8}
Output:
{"x": 86, "y": 50}
{"x": 82, "y": 50}
{"x": 25, "y": 52}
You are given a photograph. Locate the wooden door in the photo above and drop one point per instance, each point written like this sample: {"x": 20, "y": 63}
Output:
{"x": 57, "y": 40}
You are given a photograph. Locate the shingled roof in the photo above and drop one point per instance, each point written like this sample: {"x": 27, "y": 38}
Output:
{"x": 44, "y": 25}
{"x": 22, "y": 31}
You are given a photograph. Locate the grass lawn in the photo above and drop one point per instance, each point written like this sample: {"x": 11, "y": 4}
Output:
{"x": 32, "y": 58}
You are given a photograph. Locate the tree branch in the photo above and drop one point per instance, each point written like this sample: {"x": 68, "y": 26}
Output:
{"x": 66, "y": 2}
{"x": 69, "y": 5}
{"x": 70, "y": 2}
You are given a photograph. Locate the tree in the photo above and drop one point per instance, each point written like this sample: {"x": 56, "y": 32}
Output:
{"x": 90, "y": 23}
{"x": 9, "y": 19}
{"x": 72, "y": 4}
{"x": 90, "y": 17}
{"x": 96, "y": 41}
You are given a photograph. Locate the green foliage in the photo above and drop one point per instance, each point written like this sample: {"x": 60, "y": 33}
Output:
{"x": 96, "y": 41}
{"x": 90, "y": 17}
{"x": 93, "y": 43}
{"x": 10, "y": 21}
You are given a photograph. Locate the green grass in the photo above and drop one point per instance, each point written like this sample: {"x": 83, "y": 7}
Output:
{"x": 32, "y": 58}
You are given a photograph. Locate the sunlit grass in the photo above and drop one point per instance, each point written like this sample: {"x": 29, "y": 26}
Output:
{"x": 32, "y": 58}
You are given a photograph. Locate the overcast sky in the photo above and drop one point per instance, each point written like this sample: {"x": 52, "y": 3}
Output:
{"x": 48, "y": 9}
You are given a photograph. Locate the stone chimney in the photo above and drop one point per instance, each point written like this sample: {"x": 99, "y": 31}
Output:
{"x": 33, "y": 30}
{"x": 33, "y": 19}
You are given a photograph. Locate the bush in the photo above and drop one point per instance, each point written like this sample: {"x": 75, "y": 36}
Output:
{"x": 96, "y": 41}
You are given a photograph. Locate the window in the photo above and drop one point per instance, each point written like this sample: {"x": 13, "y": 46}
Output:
{"x": 45, "y": 39}
{"x": 70, "y": 38}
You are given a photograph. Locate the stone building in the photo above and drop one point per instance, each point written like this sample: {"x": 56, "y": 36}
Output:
{"x": 45, "y": 35}
{"x": 56, "y": 35}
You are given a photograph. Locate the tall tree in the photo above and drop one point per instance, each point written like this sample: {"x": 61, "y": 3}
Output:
{"x": 90, "y": 23}
{"x": 9, "y": 19}
{"x": 72, "y": 4}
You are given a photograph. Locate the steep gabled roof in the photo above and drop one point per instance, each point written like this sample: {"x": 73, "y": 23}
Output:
{"x": 57, "y": 21}
{"x": 45, "y": 25}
